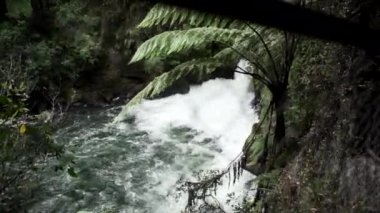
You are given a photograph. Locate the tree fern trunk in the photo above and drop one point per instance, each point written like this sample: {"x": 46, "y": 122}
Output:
{"x": 279, "y": 131}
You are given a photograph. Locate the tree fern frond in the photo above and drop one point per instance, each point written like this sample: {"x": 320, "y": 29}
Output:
{"x": 198, "y": 68}
{"x": 228, "y": 55}
{"x": 169, "y": 15}
{"x": 178, "y": 41}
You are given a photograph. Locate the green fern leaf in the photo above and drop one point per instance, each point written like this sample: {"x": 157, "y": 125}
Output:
{"x": 198, "y": 68}
{"x": 178, "y": 41}
{"x": 228, "y": 55}
{"x": 169, "y": 15}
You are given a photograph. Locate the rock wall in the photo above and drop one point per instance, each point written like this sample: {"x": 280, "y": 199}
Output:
{"x": 332, "y": 164}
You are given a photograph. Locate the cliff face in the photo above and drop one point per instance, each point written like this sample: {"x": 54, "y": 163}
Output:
{"x": 331, "y": 162}
{"x": 337, "y": 169}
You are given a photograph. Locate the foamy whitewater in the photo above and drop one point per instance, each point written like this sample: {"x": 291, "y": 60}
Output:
{"x": 133, "y": 165}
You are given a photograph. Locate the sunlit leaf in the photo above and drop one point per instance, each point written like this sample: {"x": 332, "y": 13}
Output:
{"x": 22, "y": 129}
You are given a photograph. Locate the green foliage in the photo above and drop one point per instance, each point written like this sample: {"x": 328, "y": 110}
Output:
{"x": 72, "y": 172}
{"x": 161, "y": 15}
{"x": 174, "y": 42}
{"x": 202, "y": 38}
{"x": 12, "y": 36}
{"x": 14, "y": 86}
{"x": 32, "y": 63}
{"x": 268, "y": 180}
{"x": 227, "y": 54}
{"x": 41, "y": 55}
{"x": 19, "y": 8}
{"x": 271, "y": 57}
{"x": 54, "y": 62}
{"x": 270, "y": 53}
{"x": 24, "y": 146}
{"x": 22, "y": 150}
{"x": 312, "y": 81}
{"x": 198, "y": 68}
{"x": 74, "y": 14}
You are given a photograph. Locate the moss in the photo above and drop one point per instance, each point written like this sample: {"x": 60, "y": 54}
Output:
{"x": 254, "y": 154}
{"x": 302, "y": 178}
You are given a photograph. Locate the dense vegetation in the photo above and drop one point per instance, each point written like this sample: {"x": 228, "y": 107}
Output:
{"x": 66, "y": 47}
{"x": 54, "y": 54}
{"x": 315, "y": 144}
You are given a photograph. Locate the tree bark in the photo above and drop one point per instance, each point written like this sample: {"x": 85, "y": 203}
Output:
{"x": 3, "y": 10}
{"x": 279, "y": 132}
{"x": 280, "y": 129}
{"x": 42, "y": 16}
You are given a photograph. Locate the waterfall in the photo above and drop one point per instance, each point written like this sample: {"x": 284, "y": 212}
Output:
{"x": 219, "y": 109}
{"x": 133, "y": 166}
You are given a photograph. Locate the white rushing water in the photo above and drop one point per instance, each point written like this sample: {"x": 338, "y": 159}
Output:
{"x": 132, "y": 166}
{"x": 218, "y": 109}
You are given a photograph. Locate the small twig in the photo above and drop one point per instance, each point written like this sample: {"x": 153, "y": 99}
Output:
{"x": 373, "y": 155}
{"x": 255, "y": 63}
{"x": 255, "y": 76}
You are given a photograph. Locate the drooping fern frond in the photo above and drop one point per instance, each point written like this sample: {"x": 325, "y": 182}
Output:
{"x": 227, "y": 53}
{"x": 197, "y": 68}
{"x": 161, "y": 15}
{"x": 178, "y": 41}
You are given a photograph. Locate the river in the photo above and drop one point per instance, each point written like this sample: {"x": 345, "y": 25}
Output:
{"x": 133, "y": 166}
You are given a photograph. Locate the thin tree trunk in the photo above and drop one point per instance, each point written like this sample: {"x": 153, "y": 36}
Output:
{"x": 3, "y": 10}
{"x": 42, "y": 16}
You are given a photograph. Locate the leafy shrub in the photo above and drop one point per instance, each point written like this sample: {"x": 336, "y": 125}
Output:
{"x": 24, "y": 144}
